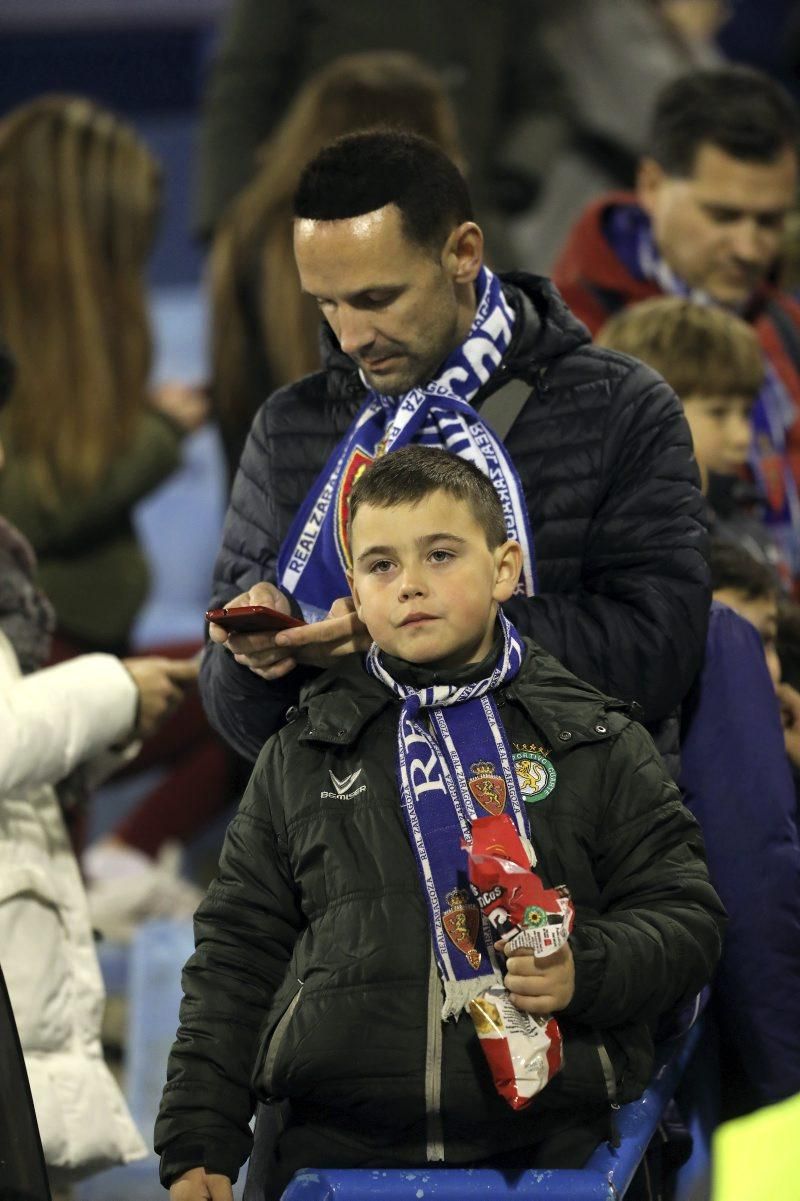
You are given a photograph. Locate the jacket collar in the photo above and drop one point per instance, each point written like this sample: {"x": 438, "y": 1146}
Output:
{"x": 339, "y": 703}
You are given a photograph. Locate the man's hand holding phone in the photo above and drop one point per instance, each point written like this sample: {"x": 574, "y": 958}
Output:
{"x": 272, "y": 654}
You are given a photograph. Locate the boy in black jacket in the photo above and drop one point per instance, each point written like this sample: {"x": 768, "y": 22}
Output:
{"x": 327, "y": 971}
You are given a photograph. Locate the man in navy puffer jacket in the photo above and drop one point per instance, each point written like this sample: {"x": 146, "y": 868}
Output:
{"x": 385, "y": 240}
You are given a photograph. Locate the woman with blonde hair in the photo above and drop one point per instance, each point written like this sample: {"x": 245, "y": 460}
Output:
{"x": 87, "y": 438}
{"x": 264, "y": 330}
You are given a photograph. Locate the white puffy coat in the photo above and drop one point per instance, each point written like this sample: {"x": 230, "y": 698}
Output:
{"x": 50, "y": 722}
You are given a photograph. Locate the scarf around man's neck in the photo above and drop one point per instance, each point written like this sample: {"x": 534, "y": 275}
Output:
{"x": 314, "y": 556}
{"x": 629, "y": 231}
{"x": 454, "y": 763}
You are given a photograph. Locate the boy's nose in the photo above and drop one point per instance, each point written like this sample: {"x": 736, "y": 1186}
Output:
{"x": 740, "y": 434}
{"x": 410, "y": 585}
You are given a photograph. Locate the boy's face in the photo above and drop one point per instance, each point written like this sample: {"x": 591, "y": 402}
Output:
{"x": 721, "y": 431}
{"x": 425, "y": 582}
{"x": 762, "y": 612}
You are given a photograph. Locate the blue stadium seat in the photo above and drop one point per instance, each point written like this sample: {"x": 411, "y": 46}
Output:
{"x": 606, "y": 1177}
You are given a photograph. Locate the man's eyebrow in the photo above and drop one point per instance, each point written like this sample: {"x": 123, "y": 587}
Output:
{"x": 737, "y": 211}
{"x": 352, "y": 297}
{"x": 423, "y": 540}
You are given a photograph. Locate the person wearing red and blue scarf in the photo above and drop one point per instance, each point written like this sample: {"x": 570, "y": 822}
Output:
{"x": 706, "y": 223}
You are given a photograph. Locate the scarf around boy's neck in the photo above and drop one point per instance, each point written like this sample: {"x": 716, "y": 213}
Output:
{"x": 455, "y": 766}
{"x": 630, "y": 233}
{"x": 314, "y": 556}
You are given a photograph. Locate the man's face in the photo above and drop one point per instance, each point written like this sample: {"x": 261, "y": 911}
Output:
{"x": 720, "y": 228}
{"x": 426, "y": 583}
{"x": 396, "y": 308}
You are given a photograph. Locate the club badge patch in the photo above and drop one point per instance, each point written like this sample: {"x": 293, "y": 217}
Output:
{"x": 461, "y": 923}
{"x": 535, "y": 773}
{"x": 488, "y": 789}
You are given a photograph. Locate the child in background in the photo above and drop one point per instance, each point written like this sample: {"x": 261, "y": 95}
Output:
{"x": 735, "y": 775}
{"x": 713, "y": 361}
{"x": 314, "y": 980}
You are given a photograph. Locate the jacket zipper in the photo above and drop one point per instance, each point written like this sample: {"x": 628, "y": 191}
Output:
{"x": 608, "y": 1070}
{"x": 279, "y": 1034}
{"x": 433, "y": 1068}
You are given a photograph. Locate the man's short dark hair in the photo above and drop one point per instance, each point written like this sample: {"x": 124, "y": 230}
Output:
{"x": 408, "y": 475}
{"x": 737, "y": 109}
{"x": 735, "y": 568}
{"x": 362, "y": 172}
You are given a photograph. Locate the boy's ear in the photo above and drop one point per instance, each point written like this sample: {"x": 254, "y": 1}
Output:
{"x": 508, "y": 565}
{"x": 351, "y": 584}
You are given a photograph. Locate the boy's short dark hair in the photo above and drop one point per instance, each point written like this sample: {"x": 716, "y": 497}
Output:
{"x": 699, "y": 349}
{"x": 743, "y": 112}
{"x": 362, "y": 172}
{"x": 733, "y": 567}
{"x": 409, "y": 475}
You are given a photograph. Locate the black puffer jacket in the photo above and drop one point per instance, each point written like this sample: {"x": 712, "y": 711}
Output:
{"x": 313, "y": 976}
{"x": 604, "y": 455}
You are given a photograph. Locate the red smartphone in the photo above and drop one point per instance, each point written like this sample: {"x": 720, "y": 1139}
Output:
{"x": 250, "y": 618}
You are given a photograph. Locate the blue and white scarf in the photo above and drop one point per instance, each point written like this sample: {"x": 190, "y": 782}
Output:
{"x": 631, "y": 235}
{"x": 455, "y": 766}
{"x": 314, "y": 556}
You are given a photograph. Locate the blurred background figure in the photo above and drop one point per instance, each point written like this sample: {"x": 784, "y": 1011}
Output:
{"x": 264, "y": 331}
{"x": 712, "y": 360}
{"x": 86, "y": 436}
{"x": 714, "y": 190}
{"x": 611, "y": 58}
{"x": 488, "y": 56}
{"x": 76, "y": 718}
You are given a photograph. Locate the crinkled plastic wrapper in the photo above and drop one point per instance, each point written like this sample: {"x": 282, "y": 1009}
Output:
{"x": 524, "y": 1051}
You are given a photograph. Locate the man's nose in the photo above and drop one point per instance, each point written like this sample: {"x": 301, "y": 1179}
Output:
{"x": 355, "y": 330}
{"x": 751, "y": 243}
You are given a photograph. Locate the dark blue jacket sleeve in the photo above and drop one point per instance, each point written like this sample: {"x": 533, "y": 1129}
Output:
{"x": 737, "y": 782}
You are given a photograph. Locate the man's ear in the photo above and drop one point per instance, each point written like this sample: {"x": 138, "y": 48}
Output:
{"x": 508, "y": 565}
{"x": 650, "y": 176}
{"x": 462, "y": 256}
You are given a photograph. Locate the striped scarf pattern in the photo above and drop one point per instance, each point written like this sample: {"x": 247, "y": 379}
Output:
{"x": 454, "y": 763}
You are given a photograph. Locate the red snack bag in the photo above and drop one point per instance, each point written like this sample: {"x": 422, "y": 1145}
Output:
{"x": 519, "y": 907}
{"x": 523, "y": 1051}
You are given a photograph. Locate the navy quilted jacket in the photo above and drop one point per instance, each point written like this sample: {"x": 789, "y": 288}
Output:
{"x": 605, "y": 458}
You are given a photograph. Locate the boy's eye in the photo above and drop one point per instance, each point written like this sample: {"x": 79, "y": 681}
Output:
{"x": 441, "y": 556}
{"x": 380, "y": 566}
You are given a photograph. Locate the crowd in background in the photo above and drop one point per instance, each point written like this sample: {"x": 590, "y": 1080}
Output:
{"x": 611, "y": 145}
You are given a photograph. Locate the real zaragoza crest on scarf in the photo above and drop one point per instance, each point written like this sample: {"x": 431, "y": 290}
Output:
{"x": 488, "y": 788}
{"x": 462, "y": 924}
